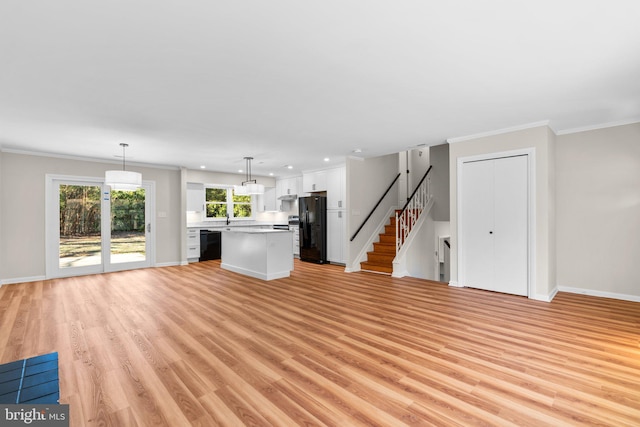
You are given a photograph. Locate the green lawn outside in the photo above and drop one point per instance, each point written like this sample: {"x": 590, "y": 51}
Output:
{"x": 121, "y": 243}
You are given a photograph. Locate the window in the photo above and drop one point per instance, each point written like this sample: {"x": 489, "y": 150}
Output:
{"x": 222, "y": 201}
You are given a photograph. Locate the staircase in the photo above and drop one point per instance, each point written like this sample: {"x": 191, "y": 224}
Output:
{"x": 380, "y": 260}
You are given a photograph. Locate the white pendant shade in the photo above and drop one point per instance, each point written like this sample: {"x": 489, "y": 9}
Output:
{"x": 123, "y": 180}
{"x": 255, "y": 189}
{"x": 250, "y": 186}
{"x": 240, "y": 190}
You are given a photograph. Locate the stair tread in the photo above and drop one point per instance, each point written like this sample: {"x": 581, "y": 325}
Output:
{"x": 375, "y": 267}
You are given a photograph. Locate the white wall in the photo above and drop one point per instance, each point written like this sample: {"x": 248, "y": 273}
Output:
{"x": 537, "y": 138}
{"x": 420, "y": 260}
{"x": 22, "y": 202}
{"x": 598, "y": 211}
{"x": 367, "y": 181}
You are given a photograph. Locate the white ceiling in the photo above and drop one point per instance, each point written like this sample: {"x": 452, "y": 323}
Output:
{"x": 191, "y": 83}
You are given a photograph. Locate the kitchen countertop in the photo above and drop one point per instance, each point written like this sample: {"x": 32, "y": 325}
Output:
{"x": 256, "y": 230}
{"x": 219, "y": 225}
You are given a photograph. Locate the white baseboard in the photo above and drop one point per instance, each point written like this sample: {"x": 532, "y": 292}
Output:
{"x": 39, "y": 278}
{"x": 546, "y": 298}
{"x": 22, "y": 280}
{"x": 170, "y": 264}
{"x": 602, "y": 294}
{"x": 454, "y": 283}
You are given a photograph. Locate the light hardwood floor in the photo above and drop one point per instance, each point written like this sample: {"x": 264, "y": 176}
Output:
{"x": 197, "y": 345}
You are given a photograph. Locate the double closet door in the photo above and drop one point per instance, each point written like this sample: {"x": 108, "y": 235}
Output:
{"x": 495, "y": 224}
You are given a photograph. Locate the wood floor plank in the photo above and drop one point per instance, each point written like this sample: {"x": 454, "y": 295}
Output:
{"x": 198, "y": 345}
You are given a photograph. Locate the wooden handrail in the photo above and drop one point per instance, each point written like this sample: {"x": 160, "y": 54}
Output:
{"x": 414, "y": 191}
{"x": 374, "y": 208}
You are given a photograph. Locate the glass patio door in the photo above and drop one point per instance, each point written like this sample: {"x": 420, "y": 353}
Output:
{"x": 91, "y": 229}
{"x": 79, "y": 237}
{"x": 127, "y": 240}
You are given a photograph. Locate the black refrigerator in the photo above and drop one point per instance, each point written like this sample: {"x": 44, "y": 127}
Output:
{"x": 313, "y": 228}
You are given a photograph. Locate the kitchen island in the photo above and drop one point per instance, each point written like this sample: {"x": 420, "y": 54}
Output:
{"x": 260, "y": 253}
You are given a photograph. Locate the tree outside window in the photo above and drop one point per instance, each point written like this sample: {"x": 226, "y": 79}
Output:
{"x": 241, "y": 206}
{"x": 221, "y": 201}
{"x": 216, "y": 200}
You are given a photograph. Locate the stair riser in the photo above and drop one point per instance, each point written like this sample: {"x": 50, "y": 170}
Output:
{"x": 384, "y": 248}
{"x": 380, "y": 258}
{"x": 387, "y": 238}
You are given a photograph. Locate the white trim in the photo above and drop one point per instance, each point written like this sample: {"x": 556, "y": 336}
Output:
{"x": 601, "y": 294}
{"x": 497, "y": 132}
{"x": 455, "y": 284}
{"x": 531, "y": 231}
{"x": 170, "y": 264}
{"x": 22, "y": 280}
{"x": 599, "y": 126}
{"x": 545, "y": 298}
{"x": 86, "y": 159}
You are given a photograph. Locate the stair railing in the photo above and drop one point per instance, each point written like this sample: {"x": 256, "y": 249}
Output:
{"x": 374, "y": 208}
{"x": 408, "y": 216}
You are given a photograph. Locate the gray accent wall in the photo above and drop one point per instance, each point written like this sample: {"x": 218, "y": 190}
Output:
{"x": 598, "y": 211}
{"x": 439, "y": 156}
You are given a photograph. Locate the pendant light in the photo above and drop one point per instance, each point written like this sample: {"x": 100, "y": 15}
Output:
{"x": 250, "y": 186}
{"x": 122, "y": 179}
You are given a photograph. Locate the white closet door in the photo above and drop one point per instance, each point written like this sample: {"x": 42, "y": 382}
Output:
{"x": 511, "y": 224}
{"x": 494, "y": 211}
{"x": 478, "y": 215}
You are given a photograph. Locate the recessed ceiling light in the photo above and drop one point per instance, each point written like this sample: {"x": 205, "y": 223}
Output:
{"x": 357, "y": 150}
{"x": 202, "y": 167}
{"x": 326, "y": 159}
{"x": 270, "y": 173}
{"x": 239, "y": 170}
{"x": 288, "y": 166}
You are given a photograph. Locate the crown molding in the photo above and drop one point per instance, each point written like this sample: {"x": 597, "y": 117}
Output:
{"x": 599, "y": 126}
{"x": 85, "y": 159}
{"x": 497, "y": 132}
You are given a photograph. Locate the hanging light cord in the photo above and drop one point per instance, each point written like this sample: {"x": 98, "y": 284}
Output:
{"x": 123, "y": 148}
{"x": 248, "y": 161}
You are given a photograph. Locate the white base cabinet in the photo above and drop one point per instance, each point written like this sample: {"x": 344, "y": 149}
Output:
{"x": 193, "y": 244}
{"x": 263, "y": 254}
{"x": 336, "y": 236}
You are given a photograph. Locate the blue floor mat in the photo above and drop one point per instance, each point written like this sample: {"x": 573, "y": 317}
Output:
{"x": 33, "y": 380}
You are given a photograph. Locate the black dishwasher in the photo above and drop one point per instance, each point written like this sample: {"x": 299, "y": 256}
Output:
{"x": 210, "y": 244}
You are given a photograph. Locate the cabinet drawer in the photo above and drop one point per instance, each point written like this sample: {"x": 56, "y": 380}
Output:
{"x": 193, "y": 251}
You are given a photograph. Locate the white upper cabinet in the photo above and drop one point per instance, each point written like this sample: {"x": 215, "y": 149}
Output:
{"x": 313, "y": 182}
{"x": 195, "y": 197}
{"x": 336, "y": 188}
{"x": 286, "y": 186}
{"x": 267, "y": 202}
